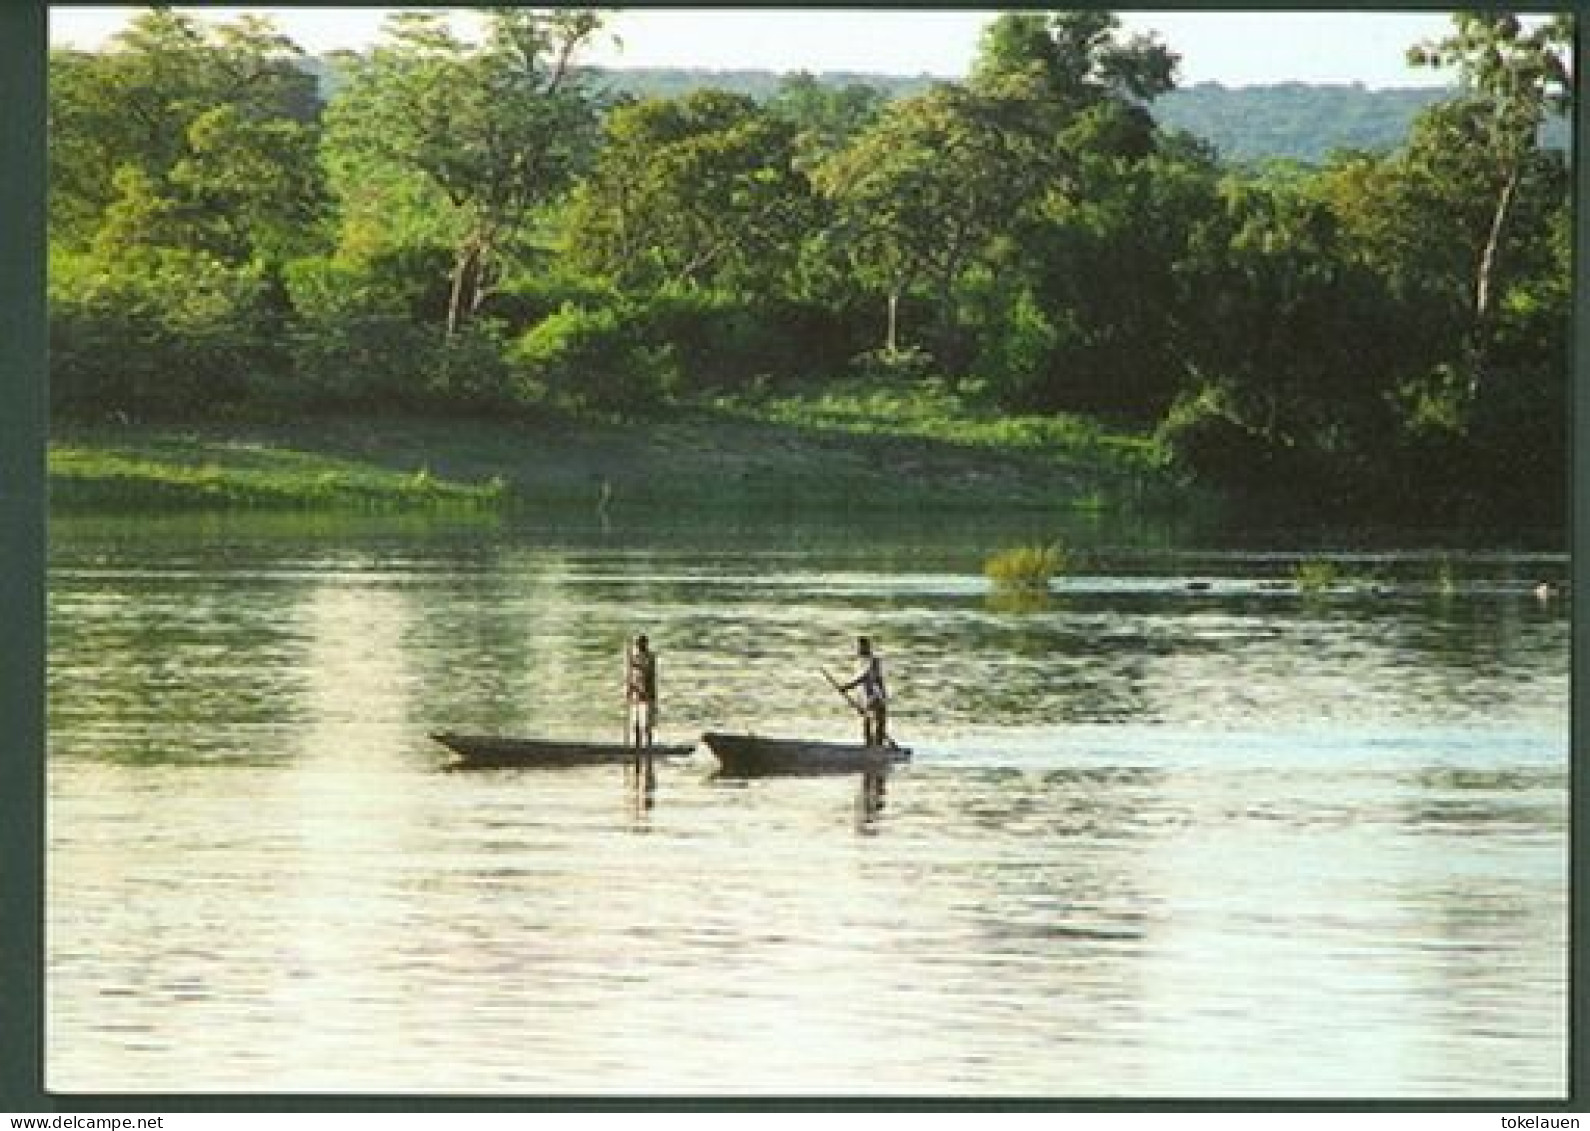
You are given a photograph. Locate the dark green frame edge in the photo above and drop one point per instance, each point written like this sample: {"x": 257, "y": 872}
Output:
{"x": 24, "y": 431}
{"x": 24, "y": 422}
{"x": 1579, "y": 547}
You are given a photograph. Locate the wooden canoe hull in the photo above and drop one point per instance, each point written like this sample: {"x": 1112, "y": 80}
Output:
{"x": 751, "y": 756}
{"x": 497, "y": 750}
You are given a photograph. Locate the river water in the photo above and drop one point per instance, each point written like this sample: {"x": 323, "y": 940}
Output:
{"x": 1175, "y": 830}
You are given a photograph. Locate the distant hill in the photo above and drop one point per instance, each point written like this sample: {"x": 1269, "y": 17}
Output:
{"x": 1301, "y": 121}
{"x": 1298, "y": 121}
{"x": 667, "y": 82}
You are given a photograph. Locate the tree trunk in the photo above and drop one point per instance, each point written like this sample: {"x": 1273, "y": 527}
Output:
{"x": 891, "y": 341}
{"x": 455, "y": 296}
{"x": 1485, "y": 279}
{"x": 464, "y": 294}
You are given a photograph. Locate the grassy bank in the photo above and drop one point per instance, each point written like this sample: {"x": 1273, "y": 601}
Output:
{"x": 836, "y": 450}
{"x": 1057, "y": 458}
{"x": 158, "y": 468}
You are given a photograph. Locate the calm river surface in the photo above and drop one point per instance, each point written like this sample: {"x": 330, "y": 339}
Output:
{"x": 1177, "y": 830}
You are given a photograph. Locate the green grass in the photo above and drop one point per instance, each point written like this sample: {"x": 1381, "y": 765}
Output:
{"x": 854, "y": 451}
{"x": 158, "y": 471}
{"x": 935, "y": 442}
{"x": 935, "y": 412}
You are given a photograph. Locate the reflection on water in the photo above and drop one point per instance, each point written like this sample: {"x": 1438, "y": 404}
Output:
{"x": 1156, "y": 839}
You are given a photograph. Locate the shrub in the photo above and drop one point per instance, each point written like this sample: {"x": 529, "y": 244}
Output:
{"x": 470, "y": 370}
{"x": 594, "y": 359}
{"x": 726, "y": 342}
{"x": 717, "y": 340}
{"x": 524, "y": 300}
{"x": 356, "y": 344}
{"x": 1205, "y": 438}
{"x": 1025, "y": 567}
{"x": 1315, "y": 575}
{"x": 885, "y": 366}
{"x": 166, "y": 333}
{"x": 1016, "y": 356}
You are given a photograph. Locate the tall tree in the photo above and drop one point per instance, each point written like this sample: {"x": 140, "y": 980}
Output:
{"x": 1073, "y": 60}
{"x": 1296, "y": 351}
{"x": 1111, "y": 264}
{"x": 496, "y": 129}
{"x": 1081, "y": 88}
{"x": 825, "y": 117}
{"x": 695, "y": 191}
{"x": 219, "y": 121}
{"x": 921, "y": 193}
{"x": 1513, "y": 75}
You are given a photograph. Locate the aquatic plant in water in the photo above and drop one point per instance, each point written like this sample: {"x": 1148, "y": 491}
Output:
{"x": 1025, "y": 567}
{"x": 1315, "y": 575}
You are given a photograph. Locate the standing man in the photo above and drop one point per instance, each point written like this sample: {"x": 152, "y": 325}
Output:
{"x": 874, "y": 697}
{"x": 640, "y": 690}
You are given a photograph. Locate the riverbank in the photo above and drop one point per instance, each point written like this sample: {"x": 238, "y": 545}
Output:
{"x": 138, "y": 467}
{"x": 852, "y": 452}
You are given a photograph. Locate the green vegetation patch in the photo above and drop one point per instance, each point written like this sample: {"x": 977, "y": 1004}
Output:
{"x": 934, "y": 411}
{"x": 697, "y": 457}
{"x": 1316, "y": 575}
{"x": 189, "y": 472}
{"x": 1025, "y": 567}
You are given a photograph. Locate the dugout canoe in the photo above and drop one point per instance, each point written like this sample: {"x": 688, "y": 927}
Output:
{"x": 499, "y": 750}
{"x": 752, "y": 756}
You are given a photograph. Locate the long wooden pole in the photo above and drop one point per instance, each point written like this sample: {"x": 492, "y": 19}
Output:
{"x": 632, "y": 767}
{"x": 834, "y": 683}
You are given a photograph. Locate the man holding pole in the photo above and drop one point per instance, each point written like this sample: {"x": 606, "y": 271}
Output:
{"x": 640, "y": 691}
{"x": 640, "y": 698}
{"x": 873, "y": 707}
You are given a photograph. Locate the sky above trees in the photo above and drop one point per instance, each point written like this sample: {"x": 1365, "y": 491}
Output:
{"x": 1234, "y": 48}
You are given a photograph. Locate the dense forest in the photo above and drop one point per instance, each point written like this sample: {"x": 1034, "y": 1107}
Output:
{"x": 453, "y": 227}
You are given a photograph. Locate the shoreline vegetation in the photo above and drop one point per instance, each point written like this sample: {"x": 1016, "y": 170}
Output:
{"x": 848, "y": 450}
{"x": 467, "y": 274}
